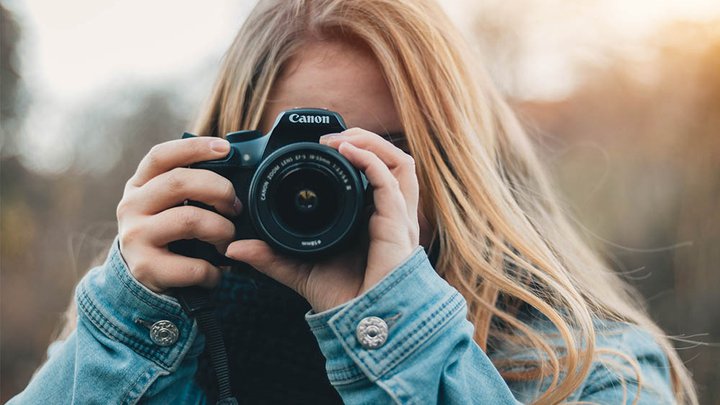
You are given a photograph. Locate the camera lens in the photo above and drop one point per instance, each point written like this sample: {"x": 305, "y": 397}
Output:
{"x": 306, "y": 201}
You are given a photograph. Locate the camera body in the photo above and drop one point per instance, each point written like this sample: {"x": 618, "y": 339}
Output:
{"x": 301, "y": 197}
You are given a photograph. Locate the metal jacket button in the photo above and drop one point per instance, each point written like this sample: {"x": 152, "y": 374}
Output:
{"x": 372, "y": 332}
{"x": 164, "y": 333}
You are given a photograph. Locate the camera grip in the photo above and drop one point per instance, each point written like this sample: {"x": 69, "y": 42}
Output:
{"x": 232, "y": 169}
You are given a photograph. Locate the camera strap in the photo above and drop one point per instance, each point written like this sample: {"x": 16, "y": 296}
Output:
{"x": 196, "y": 302}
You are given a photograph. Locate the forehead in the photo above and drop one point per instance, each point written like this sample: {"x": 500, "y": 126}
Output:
{"x": 337, "y": 76}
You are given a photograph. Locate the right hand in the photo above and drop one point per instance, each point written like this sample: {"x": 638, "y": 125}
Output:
{"x": 151, "y": 215}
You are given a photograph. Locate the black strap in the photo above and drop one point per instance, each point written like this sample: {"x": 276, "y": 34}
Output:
{"x": 196, "y": 302}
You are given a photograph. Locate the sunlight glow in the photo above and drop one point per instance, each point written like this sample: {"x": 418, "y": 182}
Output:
{"x": 74, "y": 51}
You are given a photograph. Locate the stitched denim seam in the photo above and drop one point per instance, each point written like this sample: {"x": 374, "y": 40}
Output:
{"x": 391, "y": 392}
{"x": 345, "y": 375}
{"x": 425, "y": 330}
{"x": 397, "y": 392}
{"x": 143, "y": 381}
{"x": 417, "y": 336}
{"x": 405, "y": 270}
{"x": 105, "y": 325}
{"x": 317, "y": 326}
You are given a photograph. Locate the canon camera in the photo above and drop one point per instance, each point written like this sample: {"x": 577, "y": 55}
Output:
{"x": 301, "y": 197}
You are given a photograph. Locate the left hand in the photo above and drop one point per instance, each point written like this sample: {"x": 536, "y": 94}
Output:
{"x": 393, "y": 228}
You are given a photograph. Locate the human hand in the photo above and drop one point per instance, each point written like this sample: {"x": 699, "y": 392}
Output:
{"x": 393, "y": 228}
{"x": 150, "y": 214}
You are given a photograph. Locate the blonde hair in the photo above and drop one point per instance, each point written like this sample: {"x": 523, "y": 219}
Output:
{"x": 504, "y": 240}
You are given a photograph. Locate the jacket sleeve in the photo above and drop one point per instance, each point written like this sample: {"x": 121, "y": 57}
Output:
{"x": 614, "y": 380}
{"x": 111, "y": 357}
{"x": 429, "y": 355}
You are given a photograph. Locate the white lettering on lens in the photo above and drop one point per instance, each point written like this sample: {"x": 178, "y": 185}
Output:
{"x": 272, "y": 173}
{"x": 263, "y": 191}
{"x": 309, "y": 119}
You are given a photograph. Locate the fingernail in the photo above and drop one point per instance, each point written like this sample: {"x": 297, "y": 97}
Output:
{"x": 226, "y": 251}
{"x": 329, "y": 137}
{"x": 237, "y": 206}
{"x": 347, "y": 145}
{"x": 220, "y": 145}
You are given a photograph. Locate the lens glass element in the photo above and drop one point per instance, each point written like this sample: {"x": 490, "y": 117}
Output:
{"x": 306, "y": 200}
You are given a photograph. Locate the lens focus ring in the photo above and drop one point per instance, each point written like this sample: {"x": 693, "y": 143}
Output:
{"x": 306, "y": 198}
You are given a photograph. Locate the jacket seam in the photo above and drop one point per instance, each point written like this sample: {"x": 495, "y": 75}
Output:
{"x": 393, "y": 394}
{"x": 345, "y": 375}
{"x": 422, "y": 332}
{"x": 144, "y": 381}
{"x": 103, "y": 324}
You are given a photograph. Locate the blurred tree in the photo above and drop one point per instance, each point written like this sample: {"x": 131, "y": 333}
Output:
{"x": 13, "y": 96}
{"x": 54, "y": 226}
{"x": 636, "y": 150}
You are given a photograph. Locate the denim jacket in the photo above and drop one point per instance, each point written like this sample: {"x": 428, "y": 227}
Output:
{"x": 428, "y": 356}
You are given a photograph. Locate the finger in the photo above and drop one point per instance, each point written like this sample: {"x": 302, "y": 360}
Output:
{"x": 400, "y": 163}
{"x": 389, "y": 200}
{"x": 178, "y": 153}
{"x": 180, "y": 184}
{"x": 384, "y": 149}
{"x": 188, "y": 222}
{"x": 166, "y": 270}
{"x": 260, "y": 255}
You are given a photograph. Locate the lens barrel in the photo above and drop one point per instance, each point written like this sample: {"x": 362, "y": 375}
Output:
{"x": 306, "y": 199}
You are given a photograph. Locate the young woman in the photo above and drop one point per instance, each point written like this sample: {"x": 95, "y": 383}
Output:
{"x": 512, "y": 306}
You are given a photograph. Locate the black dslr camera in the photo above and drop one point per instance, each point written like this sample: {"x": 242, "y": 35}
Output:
{"x": 301, "y": 197}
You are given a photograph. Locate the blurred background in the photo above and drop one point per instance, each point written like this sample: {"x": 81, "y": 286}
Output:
{"x": 621, "y": 96}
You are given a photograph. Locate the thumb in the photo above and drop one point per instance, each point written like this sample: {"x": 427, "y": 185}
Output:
{"x": 260, "y": 255}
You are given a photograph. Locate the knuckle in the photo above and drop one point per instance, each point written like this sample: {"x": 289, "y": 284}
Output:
{"x": 198, "y": 272}
{"x": 142, "y": 270}
{"x": 188, "y": 217}
{"x": 130, "y": 183}
{"x": 174, "y": 181}
{"x": 228, "y": 229}
{"x": 130, "y": 234}
{"x": 408, "y": 160}
{"x": 154, "y": 156}
{"x": 121, "y": 209}
{"x": 228, "y": 192}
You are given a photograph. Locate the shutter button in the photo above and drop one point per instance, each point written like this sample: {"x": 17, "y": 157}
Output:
{"x": 372, "y": 332}
{"x": 164, "y": 333}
